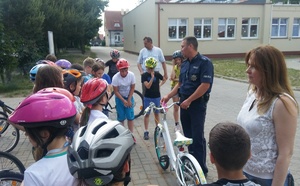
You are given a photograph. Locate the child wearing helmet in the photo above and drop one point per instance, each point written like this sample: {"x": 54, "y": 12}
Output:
{"x": 72, "y": 82}
{"x": 112, "y": 63}
{"x": 152, "y": 81}
{"x": 63, "y": 63}
{"x": 92, "y": 162}
{"x": 177, "y": 60}
{"x": 46, "y": 117}
{"x": 124, "y": 84}
{"x": 94, "y": 96}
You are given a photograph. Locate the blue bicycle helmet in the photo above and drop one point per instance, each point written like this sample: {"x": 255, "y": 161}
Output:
{"x": 177, "y": 54}
{"x": 34, "y": 70}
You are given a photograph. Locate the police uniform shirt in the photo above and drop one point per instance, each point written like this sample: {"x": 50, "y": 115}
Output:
{"x": 199, "y": 70}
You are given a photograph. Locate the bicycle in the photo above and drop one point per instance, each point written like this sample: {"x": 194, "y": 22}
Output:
{"x": 10, "y": 162}
{"x": 8, "y": 177}
{"x": 138, "y": 105}
{"x": 187, "y": 169}
{"x": 9, "y": 134}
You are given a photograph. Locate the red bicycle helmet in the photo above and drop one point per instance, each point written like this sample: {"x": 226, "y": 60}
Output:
{"x": 92, "y": 90}
{"x": 44, "y": 109}
{"x": 58, "y": 90}
{"x": 122, "y": 63}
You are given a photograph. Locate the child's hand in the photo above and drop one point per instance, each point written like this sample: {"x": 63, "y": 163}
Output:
{"x": 152, "y": 74}
{"x": 129, "y": 103}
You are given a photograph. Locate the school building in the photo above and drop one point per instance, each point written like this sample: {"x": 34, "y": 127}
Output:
{"x": 223, "y": 28}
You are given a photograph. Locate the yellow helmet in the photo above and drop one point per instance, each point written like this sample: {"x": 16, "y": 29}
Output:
{"x": 150, "y": 62}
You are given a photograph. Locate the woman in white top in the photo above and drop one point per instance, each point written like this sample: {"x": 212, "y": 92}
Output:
{"x": 269, "y": 115}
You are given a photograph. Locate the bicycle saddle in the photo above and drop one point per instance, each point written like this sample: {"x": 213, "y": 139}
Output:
{"x": 182, "y": 140}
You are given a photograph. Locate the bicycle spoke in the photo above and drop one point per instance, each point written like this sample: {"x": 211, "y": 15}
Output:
{"x": 9, "y": 138}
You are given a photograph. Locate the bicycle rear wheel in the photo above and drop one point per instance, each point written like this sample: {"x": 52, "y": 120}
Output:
{"x": 10, "y": 162}
{"x": 138, "y": 104}
{"x": 9, "y": 137}
{"x": 10, "y": 178}
{"x": 191, "y": 171}
{"x": 160, "y": 149}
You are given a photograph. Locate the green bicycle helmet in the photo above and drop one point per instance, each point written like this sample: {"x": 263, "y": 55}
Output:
{"x": 150, "y": 62}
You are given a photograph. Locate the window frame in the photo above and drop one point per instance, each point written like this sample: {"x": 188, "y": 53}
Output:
{"x": 296, "y": 25}
{"x": 279, "y": 25}
{"x": 227, "y": 25}
{"x": 249, "y": 25}
{"x": 178, "y": 23}
{"x": 202, "y": 26}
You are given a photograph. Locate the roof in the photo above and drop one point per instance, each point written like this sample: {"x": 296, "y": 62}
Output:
{"x": 113, "y": 20}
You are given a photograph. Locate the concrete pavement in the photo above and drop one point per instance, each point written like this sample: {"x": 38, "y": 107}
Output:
{"x": 226, "y": 100}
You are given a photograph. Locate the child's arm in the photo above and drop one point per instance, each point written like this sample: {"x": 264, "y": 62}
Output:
{"x": 172, "y": 77}
{"x": 149, "y": 84}
{"x": 117, "y": 93}
{"x": 132, "y": 87}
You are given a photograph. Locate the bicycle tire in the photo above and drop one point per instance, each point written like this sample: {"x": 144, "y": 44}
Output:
{"x": 9, "y": 138}
{"x": 160, "y": 149}
{"x": 110, "y": 108}
{"x": 3, "y": 123}
{"x": 10, "y": 162}
{"x": 10, "y": 178}
{"x": 138, "y": 104}
{"x": 191, "y": 170}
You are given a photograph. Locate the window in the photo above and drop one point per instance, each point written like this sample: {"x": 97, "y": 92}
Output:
{"x": 117, "y": 25}
{"x": 202, "y": 28}
{"x": 177, "y": 28}
{"x": 226, "y": 28}
{"x": 250, "y": 27}
{"x": 279, "y": 27}
{"x": 117, "y": 37}
{"x": 296, "y": 27}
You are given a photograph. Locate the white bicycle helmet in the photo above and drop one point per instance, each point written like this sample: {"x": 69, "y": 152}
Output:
{"x": 99, "y": 150}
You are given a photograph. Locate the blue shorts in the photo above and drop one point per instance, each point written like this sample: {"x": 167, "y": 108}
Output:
{"x": 147, "y": 102}
{"x": 124, "y": 112}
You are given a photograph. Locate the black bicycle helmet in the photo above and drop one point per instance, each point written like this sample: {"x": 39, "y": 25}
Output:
{"x": 177, "y": 54}
{"x": 99, "y": 150}
{"x": 71, "y": 76}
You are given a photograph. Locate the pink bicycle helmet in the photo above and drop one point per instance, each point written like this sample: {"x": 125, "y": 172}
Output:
{"x": 99, "y": 150}
{"x": 44, "y": 109}
{"x": 58, "y": 90}
{"x": 92, "y": 90}
{"x": 63, "y": 63}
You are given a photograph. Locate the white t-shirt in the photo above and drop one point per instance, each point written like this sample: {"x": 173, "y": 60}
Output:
{"x": 123, "y": 83}
{"x": 78, "y": 105}
{"x": 154, "y": 52}
{"x": 96, "y": 114}
{"x": 50, "y": 170}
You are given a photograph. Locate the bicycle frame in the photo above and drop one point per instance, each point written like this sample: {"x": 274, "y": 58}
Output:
{"x": 175, "y": 157}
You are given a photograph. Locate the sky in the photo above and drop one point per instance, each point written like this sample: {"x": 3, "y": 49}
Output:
{"x": 121, "y": 4}
{"x": 118, "y": 5}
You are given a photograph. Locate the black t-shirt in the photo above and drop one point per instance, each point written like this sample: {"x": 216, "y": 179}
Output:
{"x": 226, "y": 182}
{"x": 153, "y": 91}
{"x": 112, "y": 68}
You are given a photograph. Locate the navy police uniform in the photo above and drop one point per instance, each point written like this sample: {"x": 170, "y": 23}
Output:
{"x": 192, "y": 74}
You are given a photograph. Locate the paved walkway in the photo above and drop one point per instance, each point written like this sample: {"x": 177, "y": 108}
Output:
{"x": 226, "y": 100}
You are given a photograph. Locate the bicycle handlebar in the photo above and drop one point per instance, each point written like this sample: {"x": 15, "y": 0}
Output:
{"x": 163, "y": 108}
{"x": 6, "y": 108}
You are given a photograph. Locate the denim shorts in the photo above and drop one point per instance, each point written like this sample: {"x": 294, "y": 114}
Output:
{"x": 147, "y": 102}
{"x": 124, "y": 112}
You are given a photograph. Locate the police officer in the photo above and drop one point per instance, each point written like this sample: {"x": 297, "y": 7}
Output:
{"x": 195, "y": 82}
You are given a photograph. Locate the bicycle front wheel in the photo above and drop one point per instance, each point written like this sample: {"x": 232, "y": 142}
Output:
{"x": 160, "y": 149}
{"x": 191, "y": 171}
{"x": 9, "y": 137}
{"x": 3, "y": 122}
{"x": 10, "y": 178}
{"x": 10, "y": 162}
